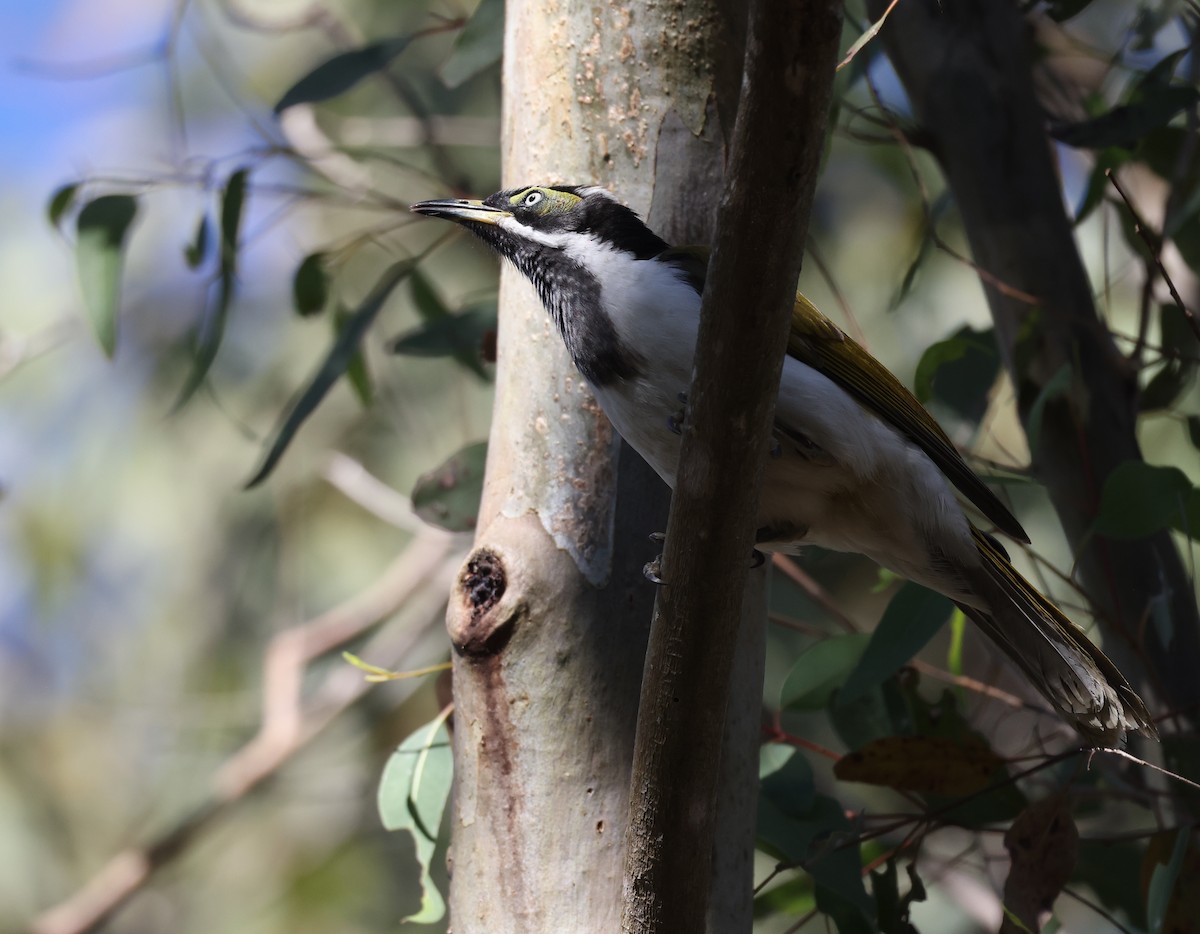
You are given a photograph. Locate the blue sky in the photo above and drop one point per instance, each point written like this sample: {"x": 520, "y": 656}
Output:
{"x": 48, "y": 121}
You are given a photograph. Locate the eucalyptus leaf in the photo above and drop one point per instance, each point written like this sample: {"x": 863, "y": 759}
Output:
{"x": 1126, "y": 124}
{"x": 196, "y": 252}
{"x": 786, "y": 778}
{"x": 959, "y": 372}
{"x": 461, "y": 335}
{"x": 60, "y": 202}
{"x": 101, "y": 229}
{"x": 912, "y": 618}
{"x": 337, "y": 361}
{"x": 1062, "y": 10}
{"x": 357, "y": 373}
{"x": 310, "y": 285}
{"x": 1193, "y": 427}
{"x": 1055, "y": 387}
{"x": 1176, "y": 371}
{"x": 211, "y": 331}
{"x": 428, "y": 303}
{"x": 340, "y": 73}
{"x": 478, "y": 46}
{"x": 448, "y": 496}
{"x": 1140, "y": 499}
{"x": 412, "y": 798}
{"x": 820, "y": 671}
{"x": 1163, "y": 881}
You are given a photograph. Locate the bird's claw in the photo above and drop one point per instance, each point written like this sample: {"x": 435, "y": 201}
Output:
{"x": 653, "y": 571}
{"x": 675, "y": 422}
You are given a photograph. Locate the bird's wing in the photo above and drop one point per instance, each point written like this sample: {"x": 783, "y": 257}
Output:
{"x": 821, "y": 344}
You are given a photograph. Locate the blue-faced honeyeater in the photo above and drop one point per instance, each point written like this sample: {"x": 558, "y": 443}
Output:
{"x": 857, "y": 463}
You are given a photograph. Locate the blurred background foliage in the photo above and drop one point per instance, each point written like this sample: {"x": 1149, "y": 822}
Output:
{"x": 141, "y": 586}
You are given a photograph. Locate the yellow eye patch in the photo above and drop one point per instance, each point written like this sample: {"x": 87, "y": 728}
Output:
{"x": 544, "y": 200}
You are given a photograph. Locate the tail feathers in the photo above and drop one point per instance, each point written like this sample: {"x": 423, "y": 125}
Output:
{"x": 1074, "y": 675}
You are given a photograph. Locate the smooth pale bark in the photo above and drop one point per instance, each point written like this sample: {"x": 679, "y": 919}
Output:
{"x": 967, "y": 69}
{"x": 791, "y": 51}
{"x": 551, "y": 611}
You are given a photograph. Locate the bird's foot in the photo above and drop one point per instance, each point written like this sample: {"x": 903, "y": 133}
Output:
{"x": 675, "y": 422}
{"x": 653, "y": 569}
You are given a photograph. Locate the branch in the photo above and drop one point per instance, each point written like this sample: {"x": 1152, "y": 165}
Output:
{"x": 288, "y": 723}
{"x": 761, "y": 225}
{"x": 967, "y": 71}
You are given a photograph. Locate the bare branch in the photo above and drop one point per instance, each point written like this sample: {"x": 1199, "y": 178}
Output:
{"x": 289, "y": 722}
{"x": 761, "y": 224}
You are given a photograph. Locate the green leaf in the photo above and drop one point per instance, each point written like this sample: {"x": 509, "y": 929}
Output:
{"x": 337, "y": 361}
{"x": 820, "y": 838}
{"x": 794, "y": 897}
{"x": 959, "y": 372}
{"x": 461, "y": 335}
{"x": 1109, "y": 159}
{"x": 1176, "y": 372}
{"x": 932, "y": 359}
{"x": 879, "y": 712}
{"x": 912, "y": 618}
{"x": 310, "y": 286}
{"x": 1062, "y": 10}
{"x": 412, "y": 798}
{"x": 426, "y": 299}
{"x": 196, "y": 252}
{"x": 786, "y": 778}
{"x": 60, "y": 202}
{"x": 892, "y": 910}
{"x": 1126, "y": 124}
{"x": 101, "y": 229}
{"x": 1057, "y": 385}
{"x": 820, "y": 670}
{"x": 1162, "y": 883}
{"x": 342, "y": 72}
{"x": 448, "y": 496}
{"x": 479, "y": 45}
{"x": 1140, "y": 499}
{"x": 356, "y": 370}
{"x": 1107, "y": 868}
{"x": 212, "y": 330}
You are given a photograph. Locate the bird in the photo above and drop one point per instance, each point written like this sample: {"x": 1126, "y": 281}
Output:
{"x": 856, "y": 463}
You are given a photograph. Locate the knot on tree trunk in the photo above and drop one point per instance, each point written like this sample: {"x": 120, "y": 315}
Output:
{"x": 479, "y": 630}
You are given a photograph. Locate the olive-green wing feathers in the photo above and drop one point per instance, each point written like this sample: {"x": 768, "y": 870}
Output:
{"x": 821, "y": 344}
{"x": 818, "y": 342}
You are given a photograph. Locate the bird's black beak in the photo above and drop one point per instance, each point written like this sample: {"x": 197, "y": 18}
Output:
{"x": 461, "y": 210}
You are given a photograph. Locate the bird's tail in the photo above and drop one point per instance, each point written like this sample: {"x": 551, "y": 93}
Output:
{"x": 1074, "y": 675}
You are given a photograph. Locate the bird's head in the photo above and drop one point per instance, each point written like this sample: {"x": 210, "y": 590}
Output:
{"x": 520, "y": 223}
{"x": 573, "y": 243}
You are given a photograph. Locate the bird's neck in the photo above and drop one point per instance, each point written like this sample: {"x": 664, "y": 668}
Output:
{"x": 574, "y": 297}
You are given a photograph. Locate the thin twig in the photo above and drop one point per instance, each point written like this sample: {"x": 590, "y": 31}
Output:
{"x": 1011, "y": 291}
{"x": 813, "y": 590}
{"x": 289, "y": 723}
{"x": 1154, "y": 245}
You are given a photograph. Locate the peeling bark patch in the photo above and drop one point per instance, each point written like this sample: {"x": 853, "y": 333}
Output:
{"x": 479, "y": 631}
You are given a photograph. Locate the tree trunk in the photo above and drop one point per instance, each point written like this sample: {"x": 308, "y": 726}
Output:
{"x": 550, "y": 613}
{"x": 966, "y": 67}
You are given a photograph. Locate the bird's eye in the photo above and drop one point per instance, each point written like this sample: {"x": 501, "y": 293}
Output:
{"x": 532, "y": 198}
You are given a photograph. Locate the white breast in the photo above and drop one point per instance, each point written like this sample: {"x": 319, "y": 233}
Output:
{"x": 875, "y": 493}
